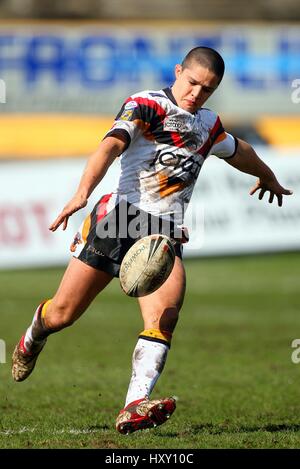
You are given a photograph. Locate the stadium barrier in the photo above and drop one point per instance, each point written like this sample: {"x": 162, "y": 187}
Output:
{"x": 222, "y": 218}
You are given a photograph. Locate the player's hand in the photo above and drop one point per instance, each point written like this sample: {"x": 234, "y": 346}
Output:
{"x": 273, "y": 187}
{"x": 75, "y": 204}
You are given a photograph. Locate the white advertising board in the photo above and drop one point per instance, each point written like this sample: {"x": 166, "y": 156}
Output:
{"x": 32, "y": 194}
{"x": 237, "y": 223}
{"x": 222, "y": 218}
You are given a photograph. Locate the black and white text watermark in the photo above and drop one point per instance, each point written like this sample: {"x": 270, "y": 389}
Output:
{"x": 2, "y": 351}
{"x": 295, "y": 96}
{"x": 295, "y": 357}
{"x": 2, "y": 92}
{"x": 127, "y": 220}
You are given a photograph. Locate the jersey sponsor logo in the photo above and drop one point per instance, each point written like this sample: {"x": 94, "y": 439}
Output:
{"x": 188, "y": 124}
{"x": 178, "y": 124}
{"x": 95, "y": 251}
{"x": 130, "y": 105}
{"x": 183, "y": 164}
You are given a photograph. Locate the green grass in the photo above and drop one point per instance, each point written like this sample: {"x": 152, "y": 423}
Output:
{"x": 230, "y": 362}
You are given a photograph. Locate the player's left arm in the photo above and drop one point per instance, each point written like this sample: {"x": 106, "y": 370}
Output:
{"x": 246, "y": 160}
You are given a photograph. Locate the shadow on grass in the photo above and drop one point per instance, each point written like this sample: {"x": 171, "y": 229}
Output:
{"x": 226, "y": 428}
{"x": 215, "y": 429}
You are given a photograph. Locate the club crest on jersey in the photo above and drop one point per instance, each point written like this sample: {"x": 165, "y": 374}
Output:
{"x": 126, "y": 115}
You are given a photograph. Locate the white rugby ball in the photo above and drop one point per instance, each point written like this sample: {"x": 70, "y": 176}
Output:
{"x": 147, "y": 265}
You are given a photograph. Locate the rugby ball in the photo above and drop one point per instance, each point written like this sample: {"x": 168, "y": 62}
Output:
{"x": 147, "y": 265}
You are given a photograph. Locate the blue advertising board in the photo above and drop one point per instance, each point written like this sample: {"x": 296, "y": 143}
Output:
{"x": 45, "y": 67}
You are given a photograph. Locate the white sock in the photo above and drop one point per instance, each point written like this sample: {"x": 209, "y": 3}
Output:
{"x": 148, "y": 361}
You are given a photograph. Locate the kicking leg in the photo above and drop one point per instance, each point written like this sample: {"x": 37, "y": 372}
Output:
{"x": 79, "y": 286}
{"x": 160, "y": 312}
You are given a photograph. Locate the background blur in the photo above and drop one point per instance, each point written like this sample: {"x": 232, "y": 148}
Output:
{"x": 66, "y": 68}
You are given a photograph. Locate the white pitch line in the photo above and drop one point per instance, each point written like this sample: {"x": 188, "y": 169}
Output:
{"x": 72, "y": 431}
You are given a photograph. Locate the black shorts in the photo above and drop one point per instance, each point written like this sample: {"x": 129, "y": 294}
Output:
{"x": 101, "y": 243}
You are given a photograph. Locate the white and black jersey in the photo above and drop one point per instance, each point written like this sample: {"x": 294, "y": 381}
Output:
{"x": 166, "y": 148}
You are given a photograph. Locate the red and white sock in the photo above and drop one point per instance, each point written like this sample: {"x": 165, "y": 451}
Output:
{"x": 37, "y": 333}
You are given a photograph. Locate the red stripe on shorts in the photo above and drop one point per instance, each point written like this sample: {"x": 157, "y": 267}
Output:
{"x": 102, "y": 208}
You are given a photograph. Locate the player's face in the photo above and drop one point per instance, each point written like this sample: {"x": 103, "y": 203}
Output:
{"x": 193, "y": 86}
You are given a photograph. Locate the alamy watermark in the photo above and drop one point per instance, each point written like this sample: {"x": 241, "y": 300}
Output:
{"x": 2, "y": 92}
{"x": 119, "y": 227}
{"x": 126, "y": 220}
{"x": 295, "y": 357}
{"x": 295, "y": 96}
{"x": 2, "y": 351}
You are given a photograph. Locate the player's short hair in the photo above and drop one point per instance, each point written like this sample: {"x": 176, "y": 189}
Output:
{"x": 206, "y": 57}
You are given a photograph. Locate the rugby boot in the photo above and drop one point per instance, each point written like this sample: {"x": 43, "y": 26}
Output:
{"x": 23, "y": 362}
{"x": 143, "y": 413}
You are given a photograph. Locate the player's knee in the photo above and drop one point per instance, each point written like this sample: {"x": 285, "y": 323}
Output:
{"x": 60, "y": 316}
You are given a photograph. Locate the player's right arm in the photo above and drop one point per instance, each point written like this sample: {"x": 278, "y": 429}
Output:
{"x": 109, "y": 149}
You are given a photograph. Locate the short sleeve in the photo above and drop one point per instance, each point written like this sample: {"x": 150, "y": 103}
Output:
{"x": 224, "y": 146}
{"x": 129, "y": 122}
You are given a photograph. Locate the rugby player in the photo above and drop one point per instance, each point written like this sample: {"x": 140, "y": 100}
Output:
{"x": 163, "y": 138}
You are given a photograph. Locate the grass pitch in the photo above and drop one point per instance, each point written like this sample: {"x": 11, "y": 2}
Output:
{"x": 230, "y": 362}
